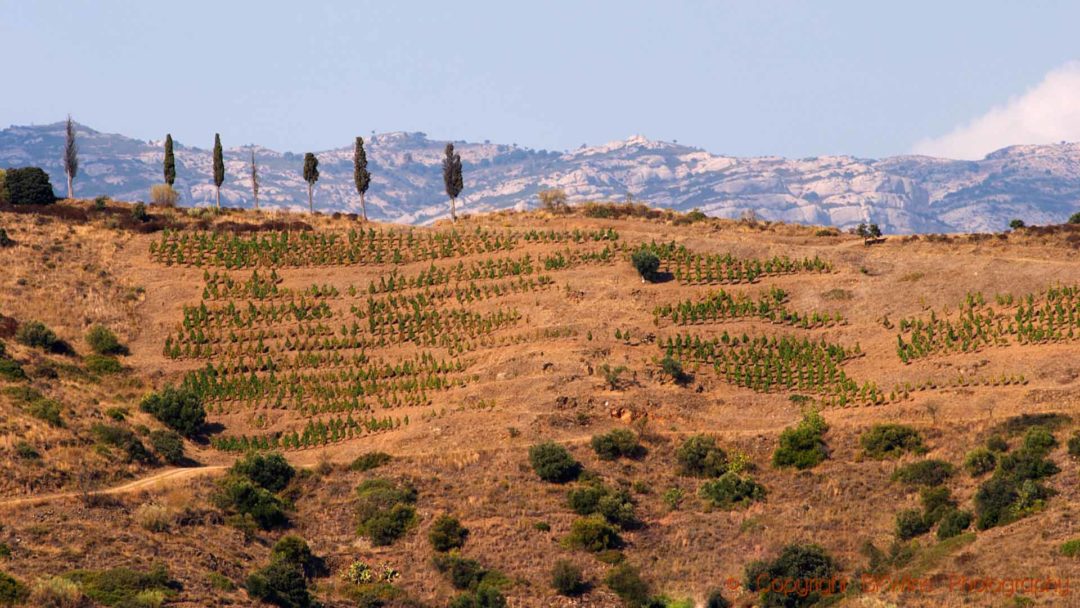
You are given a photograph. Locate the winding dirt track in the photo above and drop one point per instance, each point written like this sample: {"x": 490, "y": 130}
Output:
{"x": 149, "y": 482}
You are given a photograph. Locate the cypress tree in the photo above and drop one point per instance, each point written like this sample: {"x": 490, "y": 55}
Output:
{"x": 311, "y": 175}
{"x": 219, "y": 169}
{"x": 452, "y": 178}
{"x": 71, "y": 157}
{"x": 170, "y": 161}
{"x": 254, "y": 179}
{"x": 361, "y": 175}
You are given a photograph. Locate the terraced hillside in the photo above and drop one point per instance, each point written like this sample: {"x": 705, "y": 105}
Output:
{"x": 772, "y": 401}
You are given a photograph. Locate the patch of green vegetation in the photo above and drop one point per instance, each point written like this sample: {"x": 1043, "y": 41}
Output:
{"x": 593, "y": 533}
{"x": 384, "y": 510}
{"x": 731, "y": 491}
{"x": 123, "y": 587}
{"x": 553, "y": 462}
{"x": 369, "y": 461}
{"x": 699, "y": 456}
{"x": 802, "y": 446}
{"x": 617, "y": 443}
{"x": 891, "y": 441}
{"x": 924, "y": 473}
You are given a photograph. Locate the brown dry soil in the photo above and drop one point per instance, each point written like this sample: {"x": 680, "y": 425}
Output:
{"x": 76, "y": 505}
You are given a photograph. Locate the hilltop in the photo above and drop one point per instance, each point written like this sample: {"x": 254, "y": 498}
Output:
{"x": 904, "y": 194}
{"x": 455, "y": 350}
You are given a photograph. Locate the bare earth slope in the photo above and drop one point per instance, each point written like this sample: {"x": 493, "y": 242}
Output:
{"x": 455, "y": 349}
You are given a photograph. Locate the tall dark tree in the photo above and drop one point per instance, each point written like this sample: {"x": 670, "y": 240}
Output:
{"x": 170, "y": 161}
{"x": 311, "y": 175}
{"x": 219, "y": 168}
{"x": 451, "y": 170}
{"x": 254, "y": 179}
{"x": 361, "y": 175}
{"x": 71, "y": 157}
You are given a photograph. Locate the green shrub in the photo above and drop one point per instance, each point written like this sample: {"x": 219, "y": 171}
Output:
{"x": 1016, "y": 224}
{"x": 139, "y": 213}
{"x": 11, "y": 370}
{"x": 5, "y": 240}
{"x": 625, "y": 581}
{"x": 731, "y": 490}
{"x": 1039, "y": 439}
{"x": 936, "y": 502}
{"x": 924, "y": 473}
{"x": 699, "y": 456}
{"x": 384, "y": 510}
{"x": 269, "y": 471}
{"x": 125, "y": 440}
{"x": 177, "y": 408}
{"x": 716, "y": 599}
{"x": 1027, "y": 464}
{"x": 911, "y": 523}
{"x": 37, "y": 335}
{"x": 593, "y": 533}
{"x": 447, "y": 533}
{"x": 1020, "y": 424}
{"x": 796, "y": 562}
{"x": 47, "y": 410}
{"x": 103, "y": 341}
{"x": 242, "y": 497}
{"x": 616, "y": 506}
{"x": 617, "y": 443}
{"x": 463, "y": 573}
{"x": 26, "y": 451}
{"x": 1074, "y": 445}
{"x": 567, "y": 579}
{"x": 122, "y": 587}
{"x": 28, "y": 186}
{"x": 891, "y": 441}
{"x": 57, "y": 592}
{"x": 12, "y": 592}
{"x": 295, "y": 551}
{"x": 953, "y": 523}
{"x": 1071, "y": 548}
{"x": 102, "y": 365}
{"x": 484, "y": 597}
{"x": 673, "y": 497}
{"x": 553, "y": 463}
{"x": 168, "y": 445}
{"x": 997, "y": 443}
{"x": 980, "y": 461}
{"x": 1003, "y": 499}
{"x": 802, "y": 446}
{"x": 281, "y": 584}
{"x": 646, "y": 263}
{"x": 673, "y": 369}
{"x": 370, "y": 460}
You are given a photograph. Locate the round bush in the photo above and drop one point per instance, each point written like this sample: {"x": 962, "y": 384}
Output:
{"x": 646, "y": 263}
{"x": 566, "y": 578}
{"x": 980, "y": 461}
{"x": 269, "y": 471}
{"x": 890, "y": 441}
{"x": 37, "y": 335}
{"x": 28, "y": 186}
{"x": 553, "y": 463}
{"x": 103, "y": 341}
{"x": 168, "y": 445}
{"x": 179, "y": 409}
{"x": 447, "y": 533}
{"x": 593, "y": 533}
{"x": 699, "y": 456}
{"x": 617, "y": 443}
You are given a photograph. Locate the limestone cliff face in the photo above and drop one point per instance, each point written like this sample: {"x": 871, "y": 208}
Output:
{"x": 1040, "y": 184}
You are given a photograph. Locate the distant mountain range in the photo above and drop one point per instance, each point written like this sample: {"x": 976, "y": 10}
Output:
{"x": 902, "y": 194}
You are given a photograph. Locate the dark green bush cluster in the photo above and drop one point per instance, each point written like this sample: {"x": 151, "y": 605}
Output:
{"x": 120, "y": 587}
{"x": 1017, "y": 425}
{"x": 699, "y": 456}
{"x": 593, "y": 533}
{"x": 384, "y": 510}
{"x": 5, "y": 240}
{"x": 927, "y": 473}
{"x": 123, "y": 439}
{"x": 1074, "y": 445}
{"x": 796, "y": 562}
{"x": 731, "y": 490}
{"x": 626, "y": 582}
{"x": 248, "y": 491}
{"x": 937, "y": 507}
{"x": 481, "y": 585}
{"x": 447, "y": 533}
{"x": 614, "y": 505}
{"x": 28, "y": 186}
{"x": 180, "y": 409}
{"x": 646, "y": 263}
{"x": 283, "y": 582}
{"x": 673, "y": 369}
{"x": 370, "y": 460}
{"x": 36, "y": 334}
{"x": 103, "y": 341}
{"x": 567, "y": 578}
{"x": 891, "y": 441}
{"x": 553, "y": 463}
{"x": 48, "y": 410}
{"x": 1016, "y": 489}
{"x": 10, "y": 368}
{"x": 980, "y": 461}
{"x": 102, "y": 365}
{"x": 617, "y": 443}
{"x": 12, "y": 592}
{"x": 803, "y": 446}
{"x": 168, "y": 445}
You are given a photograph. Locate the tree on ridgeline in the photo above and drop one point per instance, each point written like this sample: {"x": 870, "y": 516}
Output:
{"x": 170, "y": 161}
{"x": 451, "y": 169}
{"x": 219, "y": 169}
{"x": 254, "y": 179}
{"x": 71, "y": 157}
{"x": 361, "y": 175}
{"x": 311, "y": 175}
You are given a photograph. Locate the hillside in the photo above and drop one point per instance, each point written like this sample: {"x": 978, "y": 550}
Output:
{"x": 455, "y": 349}
{"x": 905, "y": 194}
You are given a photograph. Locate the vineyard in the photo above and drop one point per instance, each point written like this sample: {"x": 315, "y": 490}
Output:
{"x": 1050, "y": 316}
{"x": 323, "y": 363}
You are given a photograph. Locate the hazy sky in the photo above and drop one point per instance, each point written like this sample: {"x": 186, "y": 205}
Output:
{"x": 743, "y": 78}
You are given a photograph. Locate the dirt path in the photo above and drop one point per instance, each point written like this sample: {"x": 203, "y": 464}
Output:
{"x": 149, "y": 482}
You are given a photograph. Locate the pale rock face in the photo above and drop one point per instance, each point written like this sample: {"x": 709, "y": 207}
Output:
{"x": 1039, "y": 184}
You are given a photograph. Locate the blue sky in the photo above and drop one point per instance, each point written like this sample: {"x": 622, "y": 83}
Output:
{"x": 743, "y": 78}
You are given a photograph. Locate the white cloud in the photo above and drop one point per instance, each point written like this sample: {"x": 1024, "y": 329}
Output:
{"x": 1047, "y": 113}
